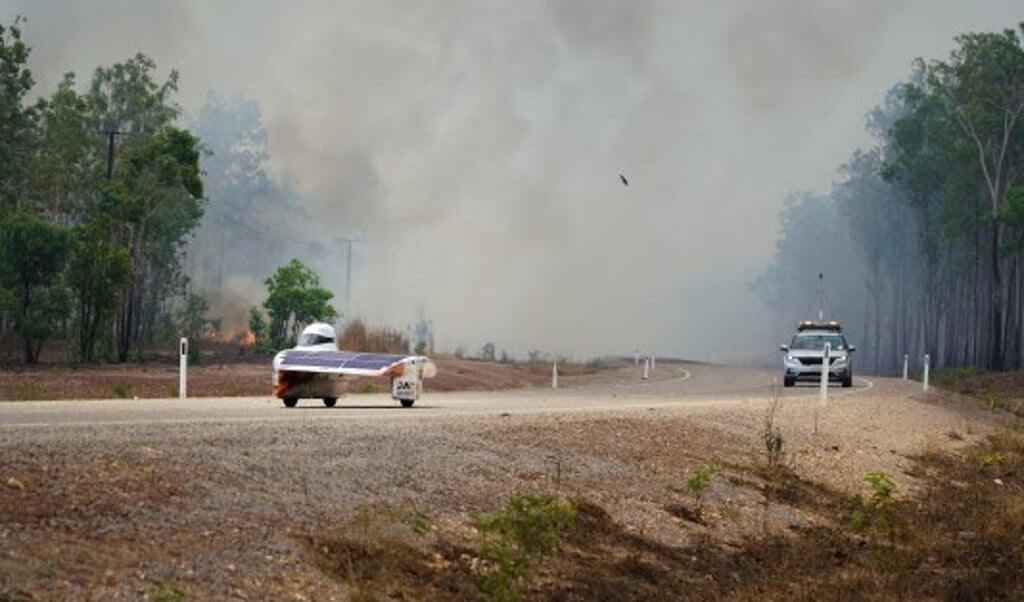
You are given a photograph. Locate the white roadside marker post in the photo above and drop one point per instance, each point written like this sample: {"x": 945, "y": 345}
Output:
{"x": 554, "y": 375}
{"x": 927, "y": 360}
{"x": 183, "y": 368}
{"x": 636, "y": 358}
{"x": 652, "y": 364}
{"x": 906, "y": 362}
{"x": 824, "y": 373}
{"x": 647, "y": 367}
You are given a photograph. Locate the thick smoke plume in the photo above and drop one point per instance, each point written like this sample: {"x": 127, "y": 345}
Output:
{"x": 476, "y": 145}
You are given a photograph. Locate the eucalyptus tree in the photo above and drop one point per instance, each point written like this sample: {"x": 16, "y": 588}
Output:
{"x": 67, "y": 169}
{"x": 878, "y": 227}
{"x": 154, "y": 196}
{"x": 17, "y": 121}
{"x": 982, "y": 86}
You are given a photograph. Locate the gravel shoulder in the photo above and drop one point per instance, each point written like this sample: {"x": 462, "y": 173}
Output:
{"x": 221, "y": 510}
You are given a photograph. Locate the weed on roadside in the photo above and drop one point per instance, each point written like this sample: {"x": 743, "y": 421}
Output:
{"x": 697, "y": 483}
{"x": 873, "y": 517}
{"x": 166, "y": 592}
{"x": 771, "y": 435}
{"x": 123, "y": 390}
{"x": 516, "y": 539}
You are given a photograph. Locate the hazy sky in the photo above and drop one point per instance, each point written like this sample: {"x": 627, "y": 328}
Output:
{"x": 477, "y": 145}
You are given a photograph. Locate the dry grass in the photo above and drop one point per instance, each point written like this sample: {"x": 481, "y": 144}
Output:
{"x": 961, "y": 539}
{"x": 358, "y": 337}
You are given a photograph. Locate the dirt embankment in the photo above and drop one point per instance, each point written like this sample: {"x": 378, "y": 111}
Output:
{"x": 378, "y": 508}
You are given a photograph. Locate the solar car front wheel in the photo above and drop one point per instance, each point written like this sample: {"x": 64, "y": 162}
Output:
{"x": 330, "y": 401}
{"x": 289, "y": 402}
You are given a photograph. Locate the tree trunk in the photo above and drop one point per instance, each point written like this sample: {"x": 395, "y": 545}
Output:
{"x": 996, "y": 357}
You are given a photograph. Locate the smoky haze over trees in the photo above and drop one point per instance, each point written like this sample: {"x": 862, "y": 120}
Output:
{"x": 475, "y": 149}
{"x": 934, "y": 210}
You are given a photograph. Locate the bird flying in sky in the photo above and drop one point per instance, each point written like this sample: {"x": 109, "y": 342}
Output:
{"x": 625, "y": 182}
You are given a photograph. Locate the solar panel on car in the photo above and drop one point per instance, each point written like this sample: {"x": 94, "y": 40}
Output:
{"x": 336, "y": 360}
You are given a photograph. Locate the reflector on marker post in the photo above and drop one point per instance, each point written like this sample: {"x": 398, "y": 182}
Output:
{"x": 927, "y": 360}
{"x": 183, "y": 367}
{"x": 827, "y": 352}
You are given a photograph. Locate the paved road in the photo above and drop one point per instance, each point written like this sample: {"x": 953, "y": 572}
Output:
{"x": 675, "y": 383}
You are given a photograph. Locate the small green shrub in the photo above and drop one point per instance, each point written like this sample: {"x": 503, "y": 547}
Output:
{"x": 165, "y": 592}
{"x": 698, "y": 482}
{"x": 123, "y": 390}
{"x": 516, "y": 539}
{"x": 994, "y": 458}
{"x": 874, "y": 517}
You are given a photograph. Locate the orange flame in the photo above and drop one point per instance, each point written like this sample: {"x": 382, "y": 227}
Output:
{"x": 242, "y": 338}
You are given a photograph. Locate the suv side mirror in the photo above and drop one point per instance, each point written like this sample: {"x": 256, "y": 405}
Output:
{"x": 851, "y": 348}
{"x": 784, "y": 348}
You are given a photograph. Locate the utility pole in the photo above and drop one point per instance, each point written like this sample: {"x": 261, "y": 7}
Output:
{"x": 348, "y": 269}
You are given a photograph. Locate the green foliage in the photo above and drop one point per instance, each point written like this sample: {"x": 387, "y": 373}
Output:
{"x": 33, "y": 254}
{"x": 16, "y": 121}
{"x": 192, "y": 318}
{"x": 260, "y": 329}
{"x": 97, "y": 272}
{"x": 166, "y": 592}
{"x": 153, "y": 197}
{"x": 123, "y": 390}
{"x": 875, "y": 516}
{"x": 295, "y": 298}
{"x": 993, "y": 458}
{"x": 698, "y": 483}
{"x": 700, "y": 480}
{"x": 516, "y": 539}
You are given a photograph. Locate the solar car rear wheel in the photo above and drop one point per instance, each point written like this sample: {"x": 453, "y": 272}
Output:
{"x": 407, "y": 403}
{"x": 289, "y": 402}
{"x": 330, "y": 401}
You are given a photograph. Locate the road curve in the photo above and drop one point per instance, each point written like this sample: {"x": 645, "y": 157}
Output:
{"x": 677, "y": 384}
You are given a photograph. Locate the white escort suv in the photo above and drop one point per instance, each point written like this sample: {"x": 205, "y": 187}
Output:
{"x": 804, "y": 354}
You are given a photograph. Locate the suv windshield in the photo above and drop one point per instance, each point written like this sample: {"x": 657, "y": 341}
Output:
{"x": 817, "y": 342}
